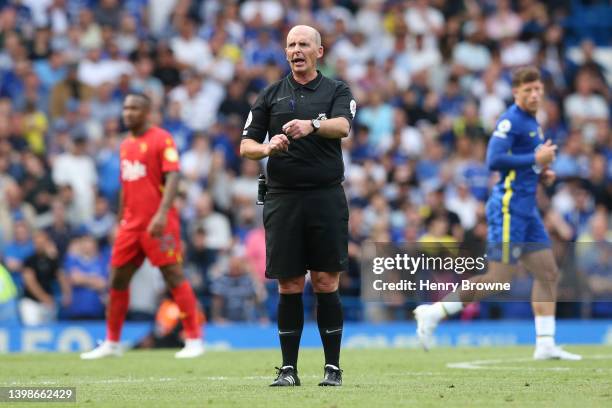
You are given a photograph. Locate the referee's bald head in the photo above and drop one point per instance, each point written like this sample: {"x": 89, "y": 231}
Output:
{"x": 306, "y": 29}
{"x": 303, "y": 50}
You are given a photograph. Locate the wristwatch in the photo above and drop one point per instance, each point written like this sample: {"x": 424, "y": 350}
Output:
{"x": 316, "y": 125}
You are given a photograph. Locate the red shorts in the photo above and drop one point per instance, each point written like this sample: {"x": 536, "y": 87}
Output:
{"x": 131, "y": 246}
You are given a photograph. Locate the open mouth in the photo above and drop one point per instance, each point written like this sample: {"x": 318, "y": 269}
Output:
{"x": 298, "y": 61}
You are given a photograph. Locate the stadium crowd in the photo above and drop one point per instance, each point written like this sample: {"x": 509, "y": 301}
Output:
{"x": 430, "y": 78}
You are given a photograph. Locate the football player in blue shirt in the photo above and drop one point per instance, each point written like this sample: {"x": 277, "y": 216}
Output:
{"x": 515, "y": 230}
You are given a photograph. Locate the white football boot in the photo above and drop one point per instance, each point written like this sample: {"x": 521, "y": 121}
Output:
{"x": 105, "y": 349}
{"x": 426, "y": 324}
{"x": 554, "y": 352}
{"x": 193, "y": 348}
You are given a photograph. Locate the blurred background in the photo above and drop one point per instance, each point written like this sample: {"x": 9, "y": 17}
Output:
{"x": 430, "y": 78}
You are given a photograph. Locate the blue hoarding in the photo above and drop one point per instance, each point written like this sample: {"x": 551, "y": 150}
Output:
{"x": 76, "y": 336}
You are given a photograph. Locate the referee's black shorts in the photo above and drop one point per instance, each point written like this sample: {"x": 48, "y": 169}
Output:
{"x": 306, "y": 230}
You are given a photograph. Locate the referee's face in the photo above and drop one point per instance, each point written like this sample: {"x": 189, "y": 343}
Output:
{"x": 302, "y": 50}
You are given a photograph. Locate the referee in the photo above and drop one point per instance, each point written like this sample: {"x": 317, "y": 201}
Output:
{"x": 305, "y": 212}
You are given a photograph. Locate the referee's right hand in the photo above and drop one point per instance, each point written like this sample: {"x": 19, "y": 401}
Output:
{"x": 278, "y": 143}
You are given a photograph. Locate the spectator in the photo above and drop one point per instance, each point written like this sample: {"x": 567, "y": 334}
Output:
{"x": 514, "y": 53}
{"x": 585, "y": 106}
{"x": 468, "y": 125}
{"x": 423, "y": 56}
{"x": 69, "y": 89}
{"x": 102, "y": 223}
{"x": 17, "y": 250}
{"x": 354, "y": 51}
{"x": 78, "y": 170}
{"x": 437, "y": 231}
{"x": 38, "y": 186}
{"x": 36, "y": 124}
{"x": 94, "y": 71}
{"x": 108, "y": 13}
{"x": 195, "y": 163}
{"x": 90, "y": 33}
{"x": 13, "y": 209}
{"x": 127, "y": 36}
{"x": 264, "y": 12}
{"x": 378, "y": 117}
{"x": 571, "y": 162}
{"x": 452, "y": 100}
{"x": 465, "y": 206}
{"x": 435, "y": 207}
{"x": 476, "y": 174}
{"x": 198, "y": 260}
{"x": 424, "y": 19}
{"x": 87, "y": 274}
{"x": 244, "y": 187}
{"x": 41, "y": 270}
{"x": 108, "y": 163}
{"x": 235, "y": 296}
{"x": 51, "y": 70}
{"x": 144, "y": 81}
{"x": 595, "y": 262}
{"x": 601, "y": 186}
{"x": 555, "y": 128}
{"x": 263, "y": 50}
{"x": 504, "y": 22}
{"x": 60, "y": 231}
{"x": 166, "y": 68}
{"x": 255, "y": 252}
{"x": 190, "y": 50}
{"x": 199, "y": 100}
{"x": 492, "y": 91}
{"x": 583, "y": 209}
{"x": 8, "y": 296}
{"x": 182, "y": 134}
{"x": 103, "y": 106}
{"x": 147, "y": 289}
{"x": 216, "y": 225}
{"x": 472, "y": 54}
{"x": 234, "y": 102}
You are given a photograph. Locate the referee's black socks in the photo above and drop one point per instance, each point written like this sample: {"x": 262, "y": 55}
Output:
{"x": 290, "y": 325}
{"x": 330, "y": 320}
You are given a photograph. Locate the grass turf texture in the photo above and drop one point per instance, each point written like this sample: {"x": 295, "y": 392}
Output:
{"x": 372, "y": 378}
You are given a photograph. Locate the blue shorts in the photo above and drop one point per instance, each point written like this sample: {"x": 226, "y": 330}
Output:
{"x": 511, "y": 235}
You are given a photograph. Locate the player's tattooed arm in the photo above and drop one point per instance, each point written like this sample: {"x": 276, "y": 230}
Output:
{"x": 158, "y": 222}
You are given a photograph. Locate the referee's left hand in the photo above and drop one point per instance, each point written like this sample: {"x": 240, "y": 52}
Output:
{"x": 296, "y": 128}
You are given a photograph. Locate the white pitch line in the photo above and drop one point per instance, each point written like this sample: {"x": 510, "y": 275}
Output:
{"x": 142, "y": 380}
{"x": 487, "y": 364}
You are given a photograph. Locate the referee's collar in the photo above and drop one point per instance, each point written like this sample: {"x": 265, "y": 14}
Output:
{"x": 312, "y": 85}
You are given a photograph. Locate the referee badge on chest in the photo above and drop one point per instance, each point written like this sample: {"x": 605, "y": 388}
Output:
{"x": 322, "y": 116}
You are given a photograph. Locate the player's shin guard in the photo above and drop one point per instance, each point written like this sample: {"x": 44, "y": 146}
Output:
{"x": 330, "y": 320}
{"x": 290, "y": 326}
{"x": 186, "y": 301}
{"x": 119, "y": 301}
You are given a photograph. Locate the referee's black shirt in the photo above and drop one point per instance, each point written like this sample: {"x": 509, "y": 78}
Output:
{"x": 312, "y": 161}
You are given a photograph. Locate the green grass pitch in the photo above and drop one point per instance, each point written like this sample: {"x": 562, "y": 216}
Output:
{"x": 449, "y": 377}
